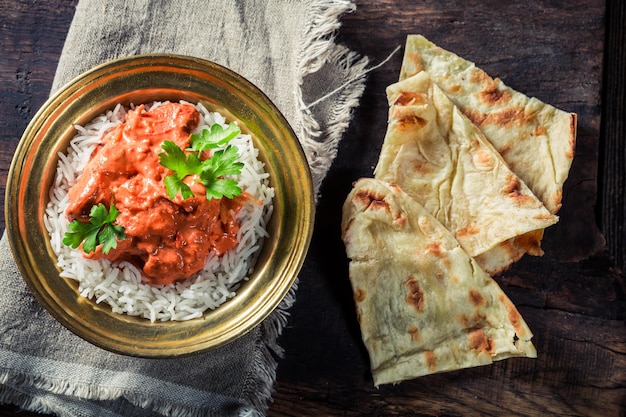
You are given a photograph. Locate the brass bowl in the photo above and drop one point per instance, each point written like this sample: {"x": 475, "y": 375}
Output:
{"x": 142, "y": 79}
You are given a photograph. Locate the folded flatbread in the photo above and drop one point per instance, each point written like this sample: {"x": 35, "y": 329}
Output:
{"x": 436, "y": 155}
{"x": 423, "y": 304}
{"x": 536, "y": 139}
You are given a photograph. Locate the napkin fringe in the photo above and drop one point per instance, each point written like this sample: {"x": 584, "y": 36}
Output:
{"x": 11, "y": 393}
{"x": 318, "y": 48}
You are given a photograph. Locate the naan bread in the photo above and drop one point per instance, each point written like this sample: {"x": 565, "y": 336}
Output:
{"x": 423, "y": 304}
{"x": 435, "y": 154}
{"x": 536, "y": 139}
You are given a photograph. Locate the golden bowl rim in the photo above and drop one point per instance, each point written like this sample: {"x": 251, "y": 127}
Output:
{"x": 187, "y": 77}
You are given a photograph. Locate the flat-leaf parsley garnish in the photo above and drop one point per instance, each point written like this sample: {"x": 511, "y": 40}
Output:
{"x": 210, "y": 171}
{"x": 214, "y": 137}
{"x": 100, "y": 230}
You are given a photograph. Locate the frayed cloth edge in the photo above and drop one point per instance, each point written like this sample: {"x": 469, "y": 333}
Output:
{"x": 319, "y": 48}
{"x": 11, "y": 392}
{"x": 8, "y": 395}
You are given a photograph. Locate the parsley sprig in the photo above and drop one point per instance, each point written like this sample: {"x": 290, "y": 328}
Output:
{"x": 100, "y": 230}
{"x": 210, "y": 171}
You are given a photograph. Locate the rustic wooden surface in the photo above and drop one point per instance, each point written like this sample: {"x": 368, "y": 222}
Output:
{"x": 613, "y": 170}
{"x": 570, "y": 53}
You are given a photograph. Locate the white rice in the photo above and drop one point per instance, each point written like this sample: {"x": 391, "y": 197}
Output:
{"x": 119, "y": 284}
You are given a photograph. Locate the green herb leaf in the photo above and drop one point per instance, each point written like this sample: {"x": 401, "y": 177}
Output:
{"x": 108, "y": 235}
{"x": 173, "y": 184}
{"x": 223, "y": 162}
{"x": 215, "y": 137}
{"x": 175, "y": 159}
{"x": 100, "y": 230}
{"x": 210, "y": 171}
{"x": 221, "y": 187}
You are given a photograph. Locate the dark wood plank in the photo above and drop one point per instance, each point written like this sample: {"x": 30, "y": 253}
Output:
{"x": 32, "y": 36}
{"x": 612, "y": 167}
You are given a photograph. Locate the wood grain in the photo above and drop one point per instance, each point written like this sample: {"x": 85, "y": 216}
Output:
{"x": 570, "y": 53}
{"x": 612, "y": 165}
{"x": 32, "y": 36}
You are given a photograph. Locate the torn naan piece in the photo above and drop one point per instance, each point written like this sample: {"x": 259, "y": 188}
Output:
{"x": 536, "y": 140}
{"x": 423, "y": 304}
{"x": 435, "y": 154}
{"x": 500, "y": 257}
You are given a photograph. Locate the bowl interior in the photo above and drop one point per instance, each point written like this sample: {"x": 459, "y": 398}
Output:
{"x": 143, "y": 79}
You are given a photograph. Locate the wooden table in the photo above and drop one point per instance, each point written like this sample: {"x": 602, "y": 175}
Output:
{"x": 570, "y": 53}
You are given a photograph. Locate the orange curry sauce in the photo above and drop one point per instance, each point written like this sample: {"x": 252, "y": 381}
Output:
{"x": 168, "y": 240}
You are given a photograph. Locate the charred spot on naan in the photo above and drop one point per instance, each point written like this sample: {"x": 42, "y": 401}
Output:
{"x": 477, "y": 340}
{"x": 413, "y": 65}
{"x": 481, "y": 158}
{"x": 454, "y": 88}
{"x": 359, "y": 295}
{"x": 540, "y": 131}
{"x": 477, "y": 117}
{"x": 476, "y": 298}
{"x": 514, "y": 316}
{"x": 421, "y": 167}
{"x": 513, "y": 190}
{"x": 414, "y": 333}
{"x": 431, "y": 360}
{"x": 490, "y": 94}
{"x": 435, "y": 249}
{"x": 466, "y": 231}
{"x": 480, "y": 77}
{"x": 415, "y": 295}
{"x": 507, "y": 117}
{"x": 512, "y": 186}
{"x": 409, "y": 98}
{"x": 410, "y": 123}
{"x": 476, "y": 321}
{"x": 369, "y": 200}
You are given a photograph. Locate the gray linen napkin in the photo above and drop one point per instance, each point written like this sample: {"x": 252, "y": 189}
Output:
{"x": 285, "y": 47}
